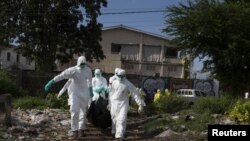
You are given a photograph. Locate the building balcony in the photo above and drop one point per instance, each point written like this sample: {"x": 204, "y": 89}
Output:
{"x": 129, "y": 58}
{"x": 151, "y": 60}
{"x": 172, "y": 61}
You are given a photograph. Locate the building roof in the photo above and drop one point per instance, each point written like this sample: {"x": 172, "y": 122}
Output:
{"x": 10, "y": 46}
{"x": 135, "y": 30}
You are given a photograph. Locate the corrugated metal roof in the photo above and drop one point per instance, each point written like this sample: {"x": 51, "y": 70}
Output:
{"x": 135, "y": 30}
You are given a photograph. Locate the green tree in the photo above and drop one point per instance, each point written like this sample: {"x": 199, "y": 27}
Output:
{"x": 217, "y": 30}
{"x": 46, "y": 30}
{"x": 187, "y": 65}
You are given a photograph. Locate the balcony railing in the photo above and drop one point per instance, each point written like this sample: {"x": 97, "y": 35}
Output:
{"x": 172, "y": 60}
{"x": 153, "y": 60}
{"x": 129, "y": 58}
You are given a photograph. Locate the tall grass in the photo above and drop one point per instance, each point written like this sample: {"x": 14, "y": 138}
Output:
{"x": 216, "y": 105}
{"x": 51, "y": 101}
{"x": 28, "y": 102}
{"x": 170, "y": 104}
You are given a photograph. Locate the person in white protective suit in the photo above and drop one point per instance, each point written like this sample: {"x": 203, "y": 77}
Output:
{"x": 114, "y": 77}
{"x": 65, "y": 87}
{"x": 79, "y": 90}
{"x": 99, "y": 85}
{"x": 111, "y": 79}
{"x": 119, "y": 102}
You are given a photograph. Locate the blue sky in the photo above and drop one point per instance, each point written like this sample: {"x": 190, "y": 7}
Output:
{"x": 152, "y": 22}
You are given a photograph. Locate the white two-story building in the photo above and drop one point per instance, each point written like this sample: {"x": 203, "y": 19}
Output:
{"x": 136, "y": 51}
{"x": 10, "y": 59}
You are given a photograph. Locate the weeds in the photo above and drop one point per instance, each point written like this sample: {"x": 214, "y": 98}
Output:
{"x": 240, "y": 111}
{"x": 217, "y": 105}
{"x": 29, "y": 102}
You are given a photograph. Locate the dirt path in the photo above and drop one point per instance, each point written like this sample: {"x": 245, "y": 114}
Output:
{"x": 132, "y": 132}
{"x": 51, "y": 128}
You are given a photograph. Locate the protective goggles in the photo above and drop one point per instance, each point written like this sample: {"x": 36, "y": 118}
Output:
{"x": 121, "y": 76}
{"x": 97, "y": 74}
{"x": 82, "y": 64}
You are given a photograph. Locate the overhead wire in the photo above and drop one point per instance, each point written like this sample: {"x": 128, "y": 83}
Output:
{"x": 128, "y": 11}
{"x": 135, "y": 11}
{"x": 132, "y": 12}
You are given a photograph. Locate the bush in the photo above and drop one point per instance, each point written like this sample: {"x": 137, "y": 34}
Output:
{"x": 170, "y": 104}
{"x": 218, "y": 105}
{"x": 53, "y": 102}
{"x": 9, "y": 86}
{"x": 29, "y": 102}
{"x": 240, "y": 111}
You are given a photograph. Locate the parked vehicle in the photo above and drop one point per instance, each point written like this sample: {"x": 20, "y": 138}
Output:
{"x": 190, "y": 94}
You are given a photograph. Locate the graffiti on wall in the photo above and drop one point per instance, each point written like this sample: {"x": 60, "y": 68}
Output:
{"x": 151, "y": 84}
{"x": 205, "y": 86}
{"x": 176, "y": 84}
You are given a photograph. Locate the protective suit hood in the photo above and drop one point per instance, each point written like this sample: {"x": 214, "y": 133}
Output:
{"x": 116, "y": 70}
{"x": 121, "y": 74}
{"x": 81, "y": 60}
{"x": 98, "y": 71}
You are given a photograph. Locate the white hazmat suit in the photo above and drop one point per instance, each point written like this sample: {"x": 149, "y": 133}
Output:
{"x": 78, "y": 89}
{"x": 114, "y": 77}
{"x": 99, "y": 85}
{"x": 62, "y": 91}
{"x": 65, "y": 87}
{"x": 119, "y": 101}
{"x": 111, "y": 79}
{"x": 246, "y": 95}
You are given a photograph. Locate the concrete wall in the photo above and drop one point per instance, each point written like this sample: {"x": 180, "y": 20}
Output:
{"x": 23, "y": 63}
{"x": 34, "y": 82}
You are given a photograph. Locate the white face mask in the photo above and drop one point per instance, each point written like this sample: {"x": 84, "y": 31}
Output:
{"x": 82, "y": 65}
{"x": 98, "y": 75}
{"x": 120, "y": 77}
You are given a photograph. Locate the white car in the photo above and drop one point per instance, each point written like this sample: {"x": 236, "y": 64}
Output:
{"x": 190, "y": 94}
